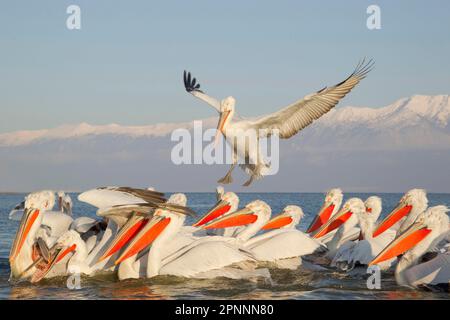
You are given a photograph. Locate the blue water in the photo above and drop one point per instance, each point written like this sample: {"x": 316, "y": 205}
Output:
{"x": 299, "y": 284}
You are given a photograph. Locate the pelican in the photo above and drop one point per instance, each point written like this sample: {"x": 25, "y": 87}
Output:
{"x": 64, "y": 202}
{"x": 288, "y": 219}
{"x": 344, "y": 221}
{"x": 71, "y": 253}
{"x": 413, "y": 203}
{"x": 116, "y": 205}
{"x": 331, "y": 205}
{"x": 285, "y": 123}
{"x": 36, "y": 220}
{"x": 364, "y": 250}
{"x": 202, "y": 258}
{"x": 64, "y": 206}
{"x": 282, "y": 243}
{"x": 429, "y": 228}
{"x": 137, "y": 217}
{"x": 68, "y": 256}
{"x": 227, "y": 202}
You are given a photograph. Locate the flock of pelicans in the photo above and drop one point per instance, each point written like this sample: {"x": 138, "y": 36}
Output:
{"x": 140, "y": 233}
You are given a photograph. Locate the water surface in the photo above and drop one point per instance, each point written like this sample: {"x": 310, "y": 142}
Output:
{"x": 286, "y": 284}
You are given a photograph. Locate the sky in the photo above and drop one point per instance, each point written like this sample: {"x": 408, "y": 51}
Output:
{"x": 125, "y": 64}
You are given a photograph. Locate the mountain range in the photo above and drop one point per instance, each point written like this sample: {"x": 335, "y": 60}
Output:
{"x": 384, "y": 149}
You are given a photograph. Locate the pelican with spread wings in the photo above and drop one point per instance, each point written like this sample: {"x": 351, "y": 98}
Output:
{"x": 285, "y": 123}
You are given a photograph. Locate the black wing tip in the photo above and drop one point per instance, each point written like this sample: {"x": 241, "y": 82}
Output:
{"x": 190, "y": 83}
{"x": 363, "y": 67}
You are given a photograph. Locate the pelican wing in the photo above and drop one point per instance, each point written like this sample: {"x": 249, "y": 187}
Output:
{"x": 293, "y": 118}
{"x": 144, "y": 194}
{"x": 191, "y": 86}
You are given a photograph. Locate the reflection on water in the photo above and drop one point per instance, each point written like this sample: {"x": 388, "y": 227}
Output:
{"x": 286, "y": 284}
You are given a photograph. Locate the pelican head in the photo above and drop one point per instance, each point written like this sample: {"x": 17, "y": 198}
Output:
{"x": 178, "y": 199}
{"x": 227, "y": 203}
{"x": 227, "y": 104}
{"x": 65, "y": 245}
{"x": 347, "y": 214}
{"x": 287, "y": 219}
{"x": 226, "y": 114}
{"x": 429, "y": 226}
{"x": 256, "y": 212}
{"x": 374, "y": 207}
{"x": 331, "y": 204}
{"x": 411, "y": 204}
{"x": 220, "y": 191}
{"x": 163, "y": 225}
{"x": 35, "y": 204}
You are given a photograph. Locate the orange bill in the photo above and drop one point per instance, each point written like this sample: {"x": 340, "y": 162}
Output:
{"x": 219, "y": 209}
{"x": 126, "y": 234}
{"x": 407, "y": 240}
{"x": 145, "y": 237}
{"x": 321, "y": 218}
{"x": 278, "y": 222}
{"x": 28, "y": 219}
{"x": 43, "y": 267}
{"x": 339, "y": 219}
{"x": 239, "y": 218}
{"x": 220, "y": 125}
{"x": 397, "y": 214}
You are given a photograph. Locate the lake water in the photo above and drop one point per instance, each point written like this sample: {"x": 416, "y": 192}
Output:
{"x": 298, "y": 284}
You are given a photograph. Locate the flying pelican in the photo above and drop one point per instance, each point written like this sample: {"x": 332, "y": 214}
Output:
{"x": 364, "y": 250}
{"x": 285, "y": 123}
{"x": 413, "y": 203}
{"x": 429, "y": 228}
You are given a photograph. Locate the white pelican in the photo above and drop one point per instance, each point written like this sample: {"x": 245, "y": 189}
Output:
{"x": 64, "y": 203}
{"x": 202, "y": 258}
{"x": 288, "y": 219}
{"x": 36, "y": 219}
{"x": 331, "y": 205}
{"x": 70, "y": 253}
{"x": 116, "y": 204}
{"x": 137, "y": 217}
{"x": 413, "y": 203}
{"x": 282, "y": 243}
{"x": 285, "y": 122}
{"x": 64, "y": 206}
{"x": 227, "y": 202}
{"x": 364, "y": 250}
{"x": 429, "y": 228}
{"x": 68, "y": 256}
{"x": 344, "y": 221}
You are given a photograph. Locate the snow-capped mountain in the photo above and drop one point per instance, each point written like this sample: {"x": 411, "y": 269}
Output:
{"x": 431, "y": 113}
{"x": 391, "y": 148}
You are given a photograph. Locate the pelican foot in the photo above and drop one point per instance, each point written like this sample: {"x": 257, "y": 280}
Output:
{"x": 248, "y": 182}
{"x": 226, "y": 180}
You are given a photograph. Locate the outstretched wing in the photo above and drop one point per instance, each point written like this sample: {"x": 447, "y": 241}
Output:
{"x": 291, "y": 119}
{"x": 191, "y": 86}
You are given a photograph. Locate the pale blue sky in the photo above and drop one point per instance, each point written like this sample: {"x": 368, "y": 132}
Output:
{"x": 125, "y": 65}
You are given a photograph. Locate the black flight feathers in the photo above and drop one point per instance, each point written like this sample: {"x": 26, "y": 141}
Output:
{"x": 190, "y": 83}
